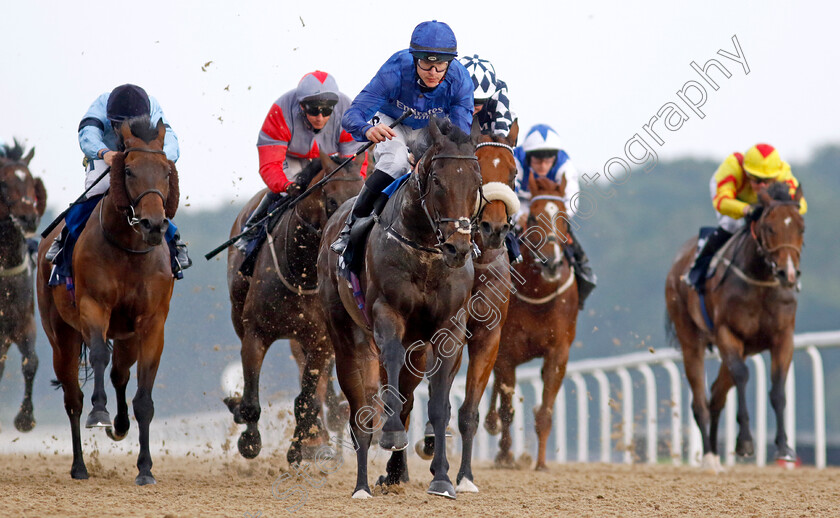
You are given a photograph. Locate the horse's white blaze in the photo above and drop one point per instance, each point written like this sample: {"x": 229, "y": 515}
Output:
{"x": 557, "y": 255}
{"x": 21, "y": 174}
{"x": 496, "y": 162}
{"x": 790, "y": 270}
{"x": 787, "y": 221}
{"x": 552, "y": 209}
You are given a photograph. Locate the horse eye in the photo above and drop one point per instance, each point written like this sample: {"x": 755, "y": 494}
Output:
{"x": 128, "y": 172}
{"x": 436, "y": 180}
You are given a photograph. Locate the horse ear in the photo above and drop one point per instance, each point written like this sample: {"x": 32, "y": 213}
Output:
{"x": 326, "y": 162}
{"x": 561, "y": 187}
{"x": 40, "y": 197}
{"x": 29, "y": 156}
{"x": 475, "y": 131}
{"x": 764, "y": 197}
{"x": 533, "y": 185}
{"x": 161, "y": 129}
{"x": 797, "y": 196}
{"x": 434, "y": 131}
{"x": 513, "y": 135}
{"x": 125, "y": 131}
{"x": 171, "y": 205}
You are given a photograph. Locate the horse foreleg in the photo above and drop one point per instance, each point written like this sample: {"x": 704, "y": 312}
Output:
{"x": 695, "y": 372}
{"x": 144, "y": 407}
{"x": 780, "y": 358}
{"x": 308, "y": 405}
{"x": 731, "y": 353}
{"x": 483, "y": 351}
{"x": 553, "y": 372}
{"x": 125, "y": 354}
{"x": 248, "y": 410}
{"x": 720, "y": 389}
{"x": 388, "y": 332}
{"x": 439, "y": 412}
{"x": 25, "y": 419}
{"x": 504, "y": 385}
{"x": 94, "y": 328}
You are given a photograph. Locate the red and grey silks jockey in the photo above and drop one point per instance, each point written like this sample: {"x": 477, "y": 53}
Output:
{"x": 287, "y": 141}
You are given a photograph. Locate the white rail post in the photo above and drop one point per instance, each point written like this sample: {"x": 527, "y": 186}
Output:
{"x": 676, "y": 411}
{"x": 582, "y": 417}
{"x": 650, "y": 398}
{"x": 760, "y": 410}
{"x": 604, "y": 407}
{"x": 731, "y": 409}
{"x": 627, "y": 413}
{"x": 819, "y": 406}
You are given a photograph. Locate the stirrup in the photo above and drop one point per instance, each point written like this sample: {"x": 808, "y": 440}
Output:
{"x": 53, "y": 251}
{"x": 340, "y": 245}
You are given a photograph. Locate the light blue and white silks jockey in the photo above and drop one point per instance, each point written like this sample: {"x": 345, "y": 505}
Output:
{"x": 542, "y": 136}
{"x": 96, "y": 132}
{"x": 393, "y": 89}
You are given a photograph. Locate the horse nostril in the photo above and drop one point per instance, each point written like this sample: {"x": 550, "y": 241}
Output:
{"x": 505, "y": 229}
{"x": 449, "y": 249}
{"x": 145, "y": 224}
{"x": 486, "y": 228}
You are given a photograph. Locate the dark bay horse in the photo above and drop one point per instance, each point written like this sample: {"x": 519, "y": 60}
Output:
{"x": 280, "y": 301}
{"x": 123, "y": 285}
{"x": 417, "y": 276}
{"x": 541, "y": 319}
{"x": 751, "y": 301}
{"x": 23, "y": 200}
{"x": 487, "y": 307}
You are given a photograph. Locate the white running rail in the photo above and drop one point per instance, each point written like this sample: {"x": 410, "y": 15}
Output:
{"x": 581, "y": 374}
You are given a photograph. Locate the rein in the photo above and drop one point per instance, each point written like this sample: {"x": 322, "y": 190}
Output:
{"x": 462, "y": 225}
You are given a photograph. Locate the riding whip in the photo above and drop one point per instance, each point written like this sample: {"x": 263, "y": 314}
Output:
{"x": 290, "y": 202}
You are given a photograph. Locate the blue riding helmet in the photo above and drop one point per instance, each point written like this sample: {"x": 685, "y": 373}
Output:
{"x": 433, "y": 41}
{"x": 127, "y": 101}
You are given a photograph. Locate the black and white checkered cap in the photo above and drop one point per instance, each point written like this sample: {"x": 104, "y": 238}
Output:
{"x": 483, "y": 76}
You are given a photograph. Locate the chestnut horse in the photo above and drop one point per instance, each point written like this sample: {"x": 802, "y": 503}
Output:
{"x": 123, "y": 285}
{"x": 491, "y": 293}
{"x": 23, "y": 200}
{"x": 417, "y": 276}
{"x": 751, "y": 301}
{"x": 280, "y": 301}
{"x": 541, "y": 320}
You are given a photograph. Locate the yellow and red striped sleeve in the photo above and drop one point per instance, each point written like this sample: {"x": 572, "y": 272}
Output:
{"x": 729, "y": 179}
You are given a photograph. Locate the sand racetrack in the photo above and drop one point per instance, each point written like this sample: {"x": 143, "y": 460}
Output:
{"x": 228, "y": 486}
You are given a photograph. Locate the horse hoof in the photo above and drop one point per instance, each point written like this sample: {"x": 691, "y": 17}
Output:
{"x": 394, "y": 441}
{"x": 745, "y": 448}
{"x": 249, "y": 444}
{"x": 362, "y": 494}
{"x": 144, "y": 480}
{"x": 114, "y": 435}
{"x": 541, "y": 467}
{"x": 786, "y": 454}
{"x": 466, "y": 486}
{"x": 420, "y": 449}
{"x": 505, "y": 460}
{"x": 24, "y": 422}
{"x": 442, "y": 488}
{"x": 79, "y": 473}
{"x": 493, "y": 424}
{"x": 711, "y": 464}
{"x": 98, "y": 419}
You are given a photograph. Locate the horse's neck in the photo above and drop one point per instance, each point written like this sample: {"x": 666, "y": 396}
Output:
{"x": 12, "y": 244}
{"x": 405, "y": 214}
{"x": 294, "y": 240}
{"x": 747, "y": 256}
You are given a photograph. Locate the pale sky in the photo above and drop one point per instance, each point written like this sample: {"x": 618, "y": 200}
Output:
{"x": 595, "y": 71}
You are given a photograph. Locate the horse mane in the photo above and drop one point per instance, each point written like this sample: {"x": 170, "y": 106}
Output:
{"x": 141, "y": 127}
{"x": 779, "y": 191}
{"x": 455, "y": 134}
{"x": 13, "y": 153}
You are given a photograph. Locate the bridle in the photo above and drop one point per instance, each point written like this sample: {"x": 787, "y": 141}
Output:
{"x": 483, "y": 200}
{"x": 763, "y": 250}
{"x": 132, "y": 219}
{"x": 551, "y": 235}
{"x": 463, "y": 225}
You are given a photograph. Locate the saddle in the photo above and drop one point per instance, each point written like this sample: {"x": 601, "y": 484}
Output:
{"x": 258, "y": 237}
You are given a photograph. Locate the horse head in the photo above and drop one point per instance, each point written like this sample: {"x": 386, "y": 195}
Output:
{"x": 338, "y": 188}
{"x": 449, "y": 181}
{"x": 547, "y": 218}
{"x": 498, "y": 201}
{"x": 144, "y": 183}
{"x": 779, "y": 231}
{"x": 22, "y": 196}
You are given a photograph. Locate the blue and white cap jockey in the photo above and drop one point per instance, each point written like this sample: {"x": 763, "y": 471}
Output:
{"x": 543, "y": 142}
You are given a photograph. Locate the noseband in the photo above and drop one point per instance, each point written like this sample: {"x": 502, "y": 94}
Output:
{"x": 483, "y": 200}
{"x": 552, "y": 235}
{"x": 764, "y": 251}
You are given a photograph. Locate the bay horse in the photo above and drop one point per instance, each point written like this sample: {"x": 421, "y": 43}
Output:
{"x": 417, "y": 276}
{"x": 541, "y": 319}
{"x": 491, "y": 293}
{"x": 751, "y": 302}
{"x": 23, "y": 201}
{"x": 280, "y": 301}
{"x": 123, "y": 286}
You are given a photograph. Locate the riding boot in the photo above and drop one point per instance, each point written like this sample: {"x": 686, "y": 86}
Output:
{"x": 697, "y": 273}
{"x": 178, "y": 256}
{"x": 584, "y": 276}
{"x": 362, "y": 207}
{"x": 56, "y": 245}
{"x": 513, "y": 251}
{"x": 259, "y": 213}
